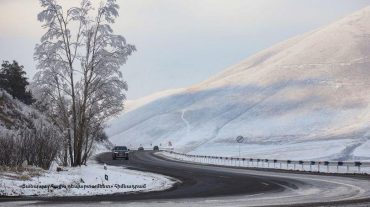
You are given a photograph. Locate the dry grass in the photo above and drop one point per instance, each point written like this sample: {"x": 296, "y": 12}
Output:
{"x": 24, "y": 177}
{"x": 19, "y": 172}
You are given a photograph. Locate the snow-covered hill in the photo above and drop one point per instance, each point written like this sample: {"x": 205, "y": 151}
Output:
{"x": 15, "y": 115}
{"x": 308, "y": 96}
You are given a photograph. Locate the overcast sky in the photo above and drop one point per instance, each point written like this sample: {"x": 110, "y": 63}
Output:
{"x": 181, "y": 42}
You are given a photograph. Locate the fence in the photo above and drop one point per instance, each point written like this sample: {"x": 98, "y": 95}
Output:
{"x": 301, "y": 165}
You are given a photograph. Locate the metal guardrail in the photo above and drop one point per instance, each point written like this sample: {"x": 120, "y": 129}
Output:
{"x": 151, "y": 148}
{"x": 301, "y": 165}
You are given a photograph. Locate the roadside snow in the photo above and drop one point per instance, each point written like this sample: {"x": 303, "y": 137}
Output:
{"x": 84, "y": 180}
{"x": 309, "y": 150}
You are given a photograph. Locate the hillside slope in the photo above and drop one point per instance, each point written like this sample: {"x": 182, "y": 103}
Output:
{"x": 15, "y": 114}
{"x": 308, "y": 96}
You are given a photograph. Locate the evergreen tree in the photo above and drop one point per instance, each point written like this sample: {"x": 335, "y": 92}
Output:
{"x": 13, "y": 80}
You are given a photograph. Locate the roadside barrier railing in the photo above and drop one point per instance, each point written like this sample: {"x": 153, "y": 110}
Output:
{"x": 347, "y": 167}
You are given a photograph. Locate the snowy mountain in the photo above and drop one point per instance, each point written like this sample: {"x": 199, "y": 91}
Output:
{"x": 306, "y": 97}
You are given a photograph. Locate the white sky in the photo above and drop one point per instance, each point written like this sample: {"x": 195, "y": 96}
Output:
{"x": 181, "y": 42}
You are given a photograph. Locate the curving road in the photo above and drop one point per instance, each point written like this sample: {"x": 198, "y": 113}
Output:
{"x": 196, "y": 180}
{"x": 205, "y": 185}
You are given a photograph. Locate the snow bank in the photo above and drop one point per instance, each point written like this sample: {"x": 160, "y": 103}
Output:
{"x": 309, "y": 150}
{"x": 84, "y": 180}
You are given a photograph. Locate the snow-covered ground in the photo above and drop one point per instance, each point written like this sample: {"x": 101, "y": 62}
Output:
{"x": 337, "y": 149}
{"x": 84, "y": 180}
{"x": 307, "y": 97}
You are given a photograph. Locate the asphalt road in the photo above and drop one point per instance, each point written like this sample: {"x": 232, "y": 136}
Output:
{"x": 197, "y": 181}
{"x": 204, "y": 185}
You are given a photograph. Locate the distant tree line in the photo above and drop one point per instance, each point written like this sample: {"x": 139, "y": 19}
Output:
{"x": 14, "y": 81}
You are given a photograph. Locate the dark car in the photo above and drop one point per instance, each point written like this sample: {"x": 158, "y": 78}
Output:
{"x": 156, "y": 148}
{"x": 140, "y": 148}
{"x": 120, "y": 152}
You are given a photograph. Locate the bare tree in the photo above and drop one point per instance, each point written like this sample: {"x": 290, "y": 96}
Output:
{"x": 79, "y": 61}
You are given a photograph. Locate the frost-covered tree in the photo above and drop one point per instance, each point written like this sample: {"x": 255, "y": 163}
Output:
{"x": 79, "y": 61}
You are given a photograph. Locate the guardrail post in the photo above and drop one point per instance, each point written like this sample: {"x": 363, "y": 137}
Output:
{"x": 358, "y": 164}
{"x": 327, "y": 166}
{"x": 301, "y": 162}
{"x": 312, "y": 163}
{"x": 339, "y": 164}
{"x": 347, "y": 168}
{"x": 318, "y": 166}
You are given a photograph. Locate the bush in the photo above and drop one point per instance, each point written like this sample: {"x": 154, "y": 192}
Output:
{"x": 38, "y": 146}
